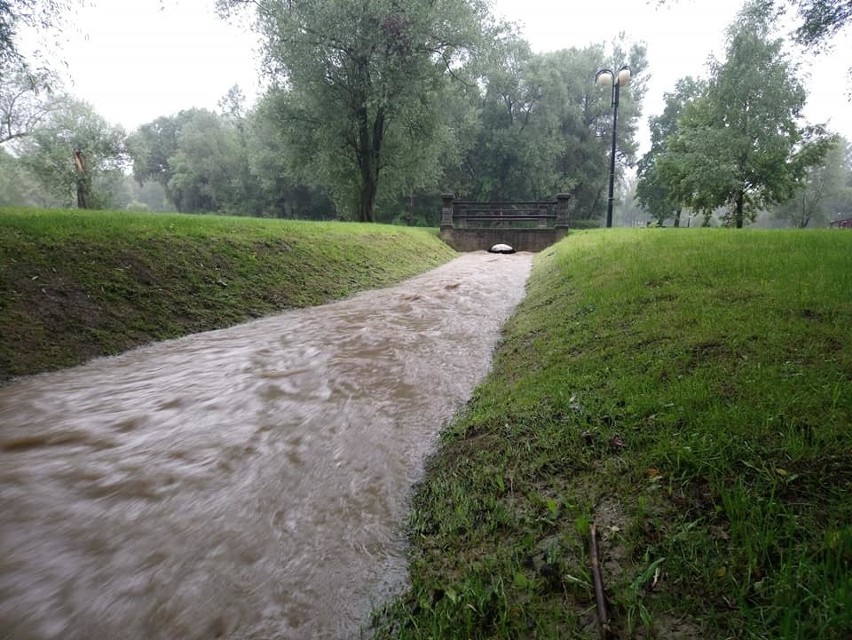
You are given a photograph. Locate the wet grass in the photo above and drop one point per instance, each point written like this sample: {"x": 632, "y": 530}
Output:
{"x": 689, "y": 393}
{"x": 75, "y": 285}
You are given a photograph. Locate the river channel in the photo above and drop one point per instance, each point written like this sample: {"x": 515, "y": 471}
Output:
{"x": 243, "y": 483}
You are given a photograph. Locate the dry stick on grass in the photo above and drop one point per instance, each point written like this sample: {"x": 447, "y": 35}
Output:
{"x": 603, "y": 619}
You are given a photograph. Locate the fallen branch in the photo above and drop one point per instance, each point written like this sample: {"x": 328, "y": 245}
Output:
{"x": 600, "y": 598}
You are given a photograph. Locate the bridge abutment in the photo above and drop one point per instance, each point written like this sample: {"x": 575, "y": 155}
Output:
{"x": 525, "y": 226}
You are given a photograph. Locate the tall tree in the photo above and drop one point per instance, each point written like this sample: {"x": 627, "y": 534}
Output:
{"x": 742, "y": 146}
{"x": 586, "y": 122}
{"x": 198, "y": 156}
{"x": 656, "y": 184}
{"x": 71, "y": 151}
{"x": 151, "y": 146}
{"x": 359, "y": 84}
{"x": 513, "y": 152}
{"x": 234, "y": 162}
{"x": 154, "y": 148}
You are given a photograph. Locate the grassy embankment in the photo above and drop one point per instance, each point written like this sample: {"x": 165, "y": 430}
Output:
{"x": 689, "y": 393}
{"x": 74, "y": 285}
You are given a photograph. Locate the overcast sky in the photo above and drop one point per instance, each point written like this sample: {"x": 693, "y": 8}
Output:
{"x": 136, "y": 60}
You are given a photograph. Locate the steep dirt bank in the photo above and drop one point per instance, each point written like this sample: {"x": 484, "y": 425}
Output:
{"x": 76, "y": 285}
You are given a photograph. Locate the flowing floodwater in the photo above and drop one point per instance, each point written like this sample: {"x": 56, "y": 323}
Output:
{"x": 243, "y": 483}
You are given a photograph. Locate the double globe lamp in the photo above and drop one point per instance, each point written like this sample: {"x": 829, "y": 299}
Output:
{"x": 606, "y": 78}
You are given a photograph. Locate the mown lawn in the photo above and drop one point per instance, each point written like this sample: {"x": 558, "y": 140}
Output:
{"x": 76, "y": 284}
{"x": 688, "y": 393}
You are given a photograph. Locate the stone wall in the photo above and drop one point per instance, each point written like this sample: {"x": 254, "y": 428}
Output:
{"x": 518, "y": 239}
{"x": 486, "y": 236}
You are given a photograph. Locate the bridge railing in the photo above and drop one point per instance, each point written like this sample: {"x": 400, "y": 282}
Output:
{"x": 533, "y": 214}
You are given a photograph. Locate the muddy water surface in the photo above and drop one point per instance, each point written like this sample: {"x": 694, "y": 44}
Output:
{"x": 243, "y": 483}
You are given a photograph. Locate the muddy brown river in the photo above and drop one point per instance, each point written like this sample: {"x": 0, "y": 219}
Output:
{"x": 243, "y": 483}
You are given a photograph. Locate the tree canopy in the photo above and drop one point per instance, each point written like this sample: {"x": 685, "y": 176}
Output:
{"x": 541, "y": 126}
{"x": 26, "y": 98}
{"x": 42, "y": 14}
{"x": 71, "y": 151}
{"x": 821, "y": 20}
{"x": 378, "y": 103}
{"x": 655, "y": 187}
{"x": 741, "y": 144}
{"x": 825, "y": 194}
{"x": 358, "y": 86}
{"x": 373, "y": 109}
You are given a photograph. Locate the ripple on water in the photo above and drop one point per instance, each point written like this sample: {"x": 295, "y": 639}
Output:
{"x": 241, "y": 483}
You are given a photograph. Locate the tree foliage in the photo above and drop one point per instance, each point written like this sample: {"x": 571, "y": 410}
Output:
{"x": 279, "y": 193}
{"x": 39, "y": 14}
{"x": 657, "y": 180}
{"x": 26, "y": 98}
{"x": 825, "y": 193}
{"x": 537, "y": 125}
{"x": 358, "y": 85}
{"x": 72, "y": 151}
{"x": 17, "y": 186}
{"x": 154, "y": 144}
{"x": 231, "y": 162}
{"x": 741, "y": 145}
{"x": 821, "y": 20}
{"x": 205, "y": 164}
{"x": 193, "y": 155}
{"x": 374, "y": 108}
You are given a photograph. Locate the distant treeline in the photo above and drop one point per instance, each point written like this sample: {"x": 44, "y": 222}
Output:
{"x": 374, "y": 109}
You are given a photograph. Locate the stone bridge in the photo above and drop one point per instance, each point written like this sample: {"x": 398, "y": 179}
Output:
{"x": 526, "y": 226}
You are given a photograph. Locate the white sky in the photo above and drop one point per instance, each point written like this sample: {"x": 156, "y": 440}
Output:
{"x": 136, "y": 60}
{"x": 680, "y": 38}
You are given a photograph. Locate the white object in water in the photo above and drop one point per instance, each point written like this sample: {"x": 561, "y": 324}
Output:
{"x": 501, "y": 248}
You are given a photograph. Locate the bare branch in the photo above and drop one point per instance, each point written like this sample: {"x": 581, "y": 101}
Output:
{"x": 600, "y": 596}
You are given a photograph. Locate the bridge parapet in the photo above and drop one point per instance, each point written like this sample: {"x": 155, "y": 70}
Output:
{"x": 525, "y": 225}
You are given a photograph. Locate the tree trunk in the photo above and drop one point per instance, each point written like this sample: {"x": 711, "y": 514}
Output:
{"x": 369, "y": 161}
{"x": 739, "y": 212}
{"x": 84, "y": 183}
{"x": 82, "y": 195}
{"x": 677, "y": 217}
{"x": 367, "y": 195}
{"x": 805, "y": 219}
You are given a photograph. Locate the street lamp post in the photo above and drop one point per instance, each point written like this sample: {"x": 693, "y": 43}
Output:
{"x": 606, "y": 78}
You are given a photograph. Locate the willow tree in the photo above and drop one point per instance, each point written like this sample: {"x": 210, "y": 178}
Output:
{"x": 26, "y": 99}
{"x": 42, "y": 15}
{"x": 357, "y": 86}
{"x": 73, "y": 153}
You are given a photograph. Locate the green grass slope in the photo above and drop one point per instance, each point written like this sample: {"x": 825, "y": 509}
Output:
{"x": 74, "y": 284}
{"x": 688, "y": 393}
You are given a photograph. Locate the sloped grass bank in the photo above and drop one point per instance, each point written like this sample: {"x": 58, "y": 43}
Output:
{"x": 689, "y": 393}
{"x": 74, "y": 285}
